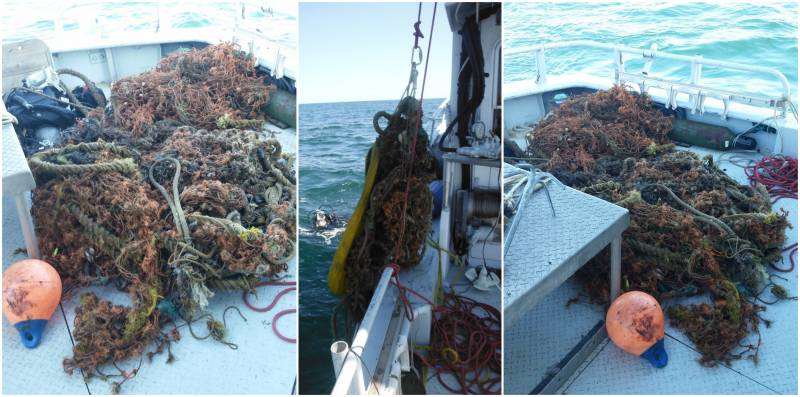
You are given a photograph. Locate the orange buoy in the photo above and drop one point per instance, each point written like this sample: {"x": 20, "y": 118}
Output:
{"x": 31, "y": 292}
{"x": 635, "y": 323}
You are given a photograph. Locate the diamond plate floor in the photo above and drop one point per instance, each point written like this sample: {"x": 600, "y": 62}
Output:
{"x": 609, "y": 370}
{"x": 263, "y": 364}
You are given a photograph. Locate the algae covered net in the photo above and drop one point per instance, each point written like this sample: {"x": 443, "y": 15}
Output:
{"x": 165, "y": 209}
{"x": 379, "y": 233}
{"x": 694, "y": 230}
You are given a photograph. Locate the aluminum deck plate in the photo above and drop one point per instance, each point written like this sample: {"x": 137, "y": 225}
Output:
{"x": 546, "y": 250}
{"x": 545, "y": 335}
{"x": 263, "y": 364}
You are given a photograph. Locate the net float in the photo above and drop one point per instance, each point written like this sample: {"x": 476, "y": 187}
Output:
{"x": 635, "y": 323}
{"x": 31, "y": 292}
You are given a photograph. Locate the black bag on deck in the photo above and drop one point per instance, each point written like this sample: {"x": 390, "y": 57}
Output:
{"x": 33, "y": 111}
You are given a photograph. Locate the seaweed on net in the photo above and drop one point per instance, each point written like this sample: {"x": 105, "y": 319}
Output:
{"x": 195, "y": 87}
{"x": 375, "y": 248}
{"x": 694, "y": 230}
{"x": 168, "y": 214}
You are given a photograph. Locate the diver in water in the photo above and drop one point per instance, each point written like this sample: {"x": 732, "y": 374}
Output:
{"x": 324, "y": 219}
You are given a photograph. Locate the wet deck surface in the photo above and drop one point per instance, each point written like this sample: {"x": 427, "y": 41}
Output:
{"x": 548, "y": 332}
{"x": 263, "y": 364}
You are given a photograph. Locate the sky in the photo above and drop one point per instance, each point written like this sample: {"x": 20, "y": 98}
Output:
{"x": 362, "y": 51}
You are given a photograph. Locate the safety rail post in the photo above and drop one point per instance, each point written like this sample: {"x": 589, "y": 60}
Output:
{"x": 619, "y": 63}
{"x": 696, "y": 70}
{"x": 541, "y": 67}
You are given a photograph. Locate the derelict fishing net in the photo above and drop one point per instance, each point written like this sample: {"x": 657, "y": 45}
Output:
{"x": 381, "y": 223}
{"x": 163, "y": 208}
{"x": 693, "y": 228}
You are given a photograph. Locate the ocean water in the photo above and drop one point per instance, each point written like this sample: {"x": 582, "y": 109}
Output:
{"x": 763, "y": 34}
{"x": 27, "y": 20}
{"x": 334, "y": 140}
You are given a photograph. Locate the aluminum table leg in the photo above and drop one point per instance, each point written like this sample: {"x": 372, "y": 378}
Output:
{"x": 616, "y": 266}
{"x": 27, "y": 225}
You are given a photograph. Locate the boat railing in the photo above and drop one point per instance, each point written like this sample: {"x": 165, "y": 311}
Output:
{"x": 58, "y": 21}
{"x": 350, "y": 378}
{"x": 697, "y": 92}
{"x": 240, "y": 13}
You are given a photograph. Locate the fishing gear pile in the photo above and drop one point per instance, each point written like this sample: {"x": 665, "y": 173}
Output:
{"x": 379, "y": 231}
{"x": 190, "y": 87}
{"x": 693, "y": 228}
{"x": 166, "y": 210}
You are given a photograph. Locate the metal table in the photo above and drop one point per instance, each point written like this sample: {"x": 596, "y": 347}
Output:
{"x": 546, "y": 250}
{"x": 18, "y": 179}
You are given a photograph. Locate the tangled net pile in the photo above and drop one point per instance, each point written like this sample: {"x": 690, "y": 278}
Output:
{"x": 381, "y": 224}
{"x": 164, "y": 210}
{"x": 212, "y": 88}
{"x": 693, "y": 228}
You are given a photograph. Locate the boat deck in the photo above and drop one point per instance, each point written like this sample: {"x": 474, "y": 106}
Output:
{"x": 544, "y": 336}
{"x": 263, "y": 363}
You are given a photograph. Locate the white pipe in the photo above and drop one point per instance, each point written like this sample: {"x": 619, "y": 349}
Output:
{"x": 656, "y": 54}
{"x": 352, "y": 369}
{"x": 339, "y": 351}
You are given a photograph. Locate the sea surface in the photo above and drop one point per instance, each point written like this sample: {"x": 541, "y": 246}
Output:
{"x": 28, "y": 20}
{"x": 334, "y": 140}
{"x": 763, "y": 34}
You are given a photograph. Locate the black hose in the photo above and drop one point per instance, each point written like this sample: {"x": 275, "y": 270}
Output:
{"x": 472, "y": 46}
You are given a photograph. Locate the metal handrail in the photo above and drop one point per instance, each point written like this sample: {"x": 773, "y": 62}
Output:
{"x": 58, "y": 21}
{"x": 619, "y": 65}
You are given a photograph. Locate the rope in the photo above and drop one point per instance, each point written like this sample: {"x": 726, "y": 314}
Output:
{"x": 226, "y": 122}
{"x": 101, "y": 101}
{"x": 175, "y": 206}
{"x": 9, "y": 118}
{"x": 234, "y": 284}
{"x": 274, "y": 302}
{"x": 778, "y": 174}
{"x": 38, "y": 164}
{"x": 286, "y": 259}
{"x": 99, "y": 235}
{"x": 791, "y": 259}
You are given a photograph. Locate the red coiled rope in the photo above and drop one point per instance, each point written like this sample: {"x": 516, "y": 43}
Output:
{"x": 475, "y": 339}
{"x": 274, "y": 302}
{"x": 778, "y": 174}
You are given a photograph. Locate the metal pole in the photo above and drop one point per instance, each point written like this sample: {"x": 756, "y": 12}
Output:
{"x": 27, "y": 225}
{"x": 541, "y": 67}
{"x": 696, "y": 70}
{"x": 616, "y": 266}
{"x": 351, "y": 376}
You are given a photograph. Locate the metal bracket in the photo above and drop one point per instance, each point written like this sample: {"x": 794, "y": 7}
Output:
{"x": 648, "y": 59}
{"x": 699, "y": 99}
{"x": 277, "y": 69}
{"x": 672, "y": 97}
{"x": 726, "y": 101}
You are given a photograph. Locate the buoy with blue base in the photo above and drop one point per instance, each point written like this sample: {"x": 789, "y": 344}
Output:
{"x": 31, "y": 292}
{"x": 635, "y": 323}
